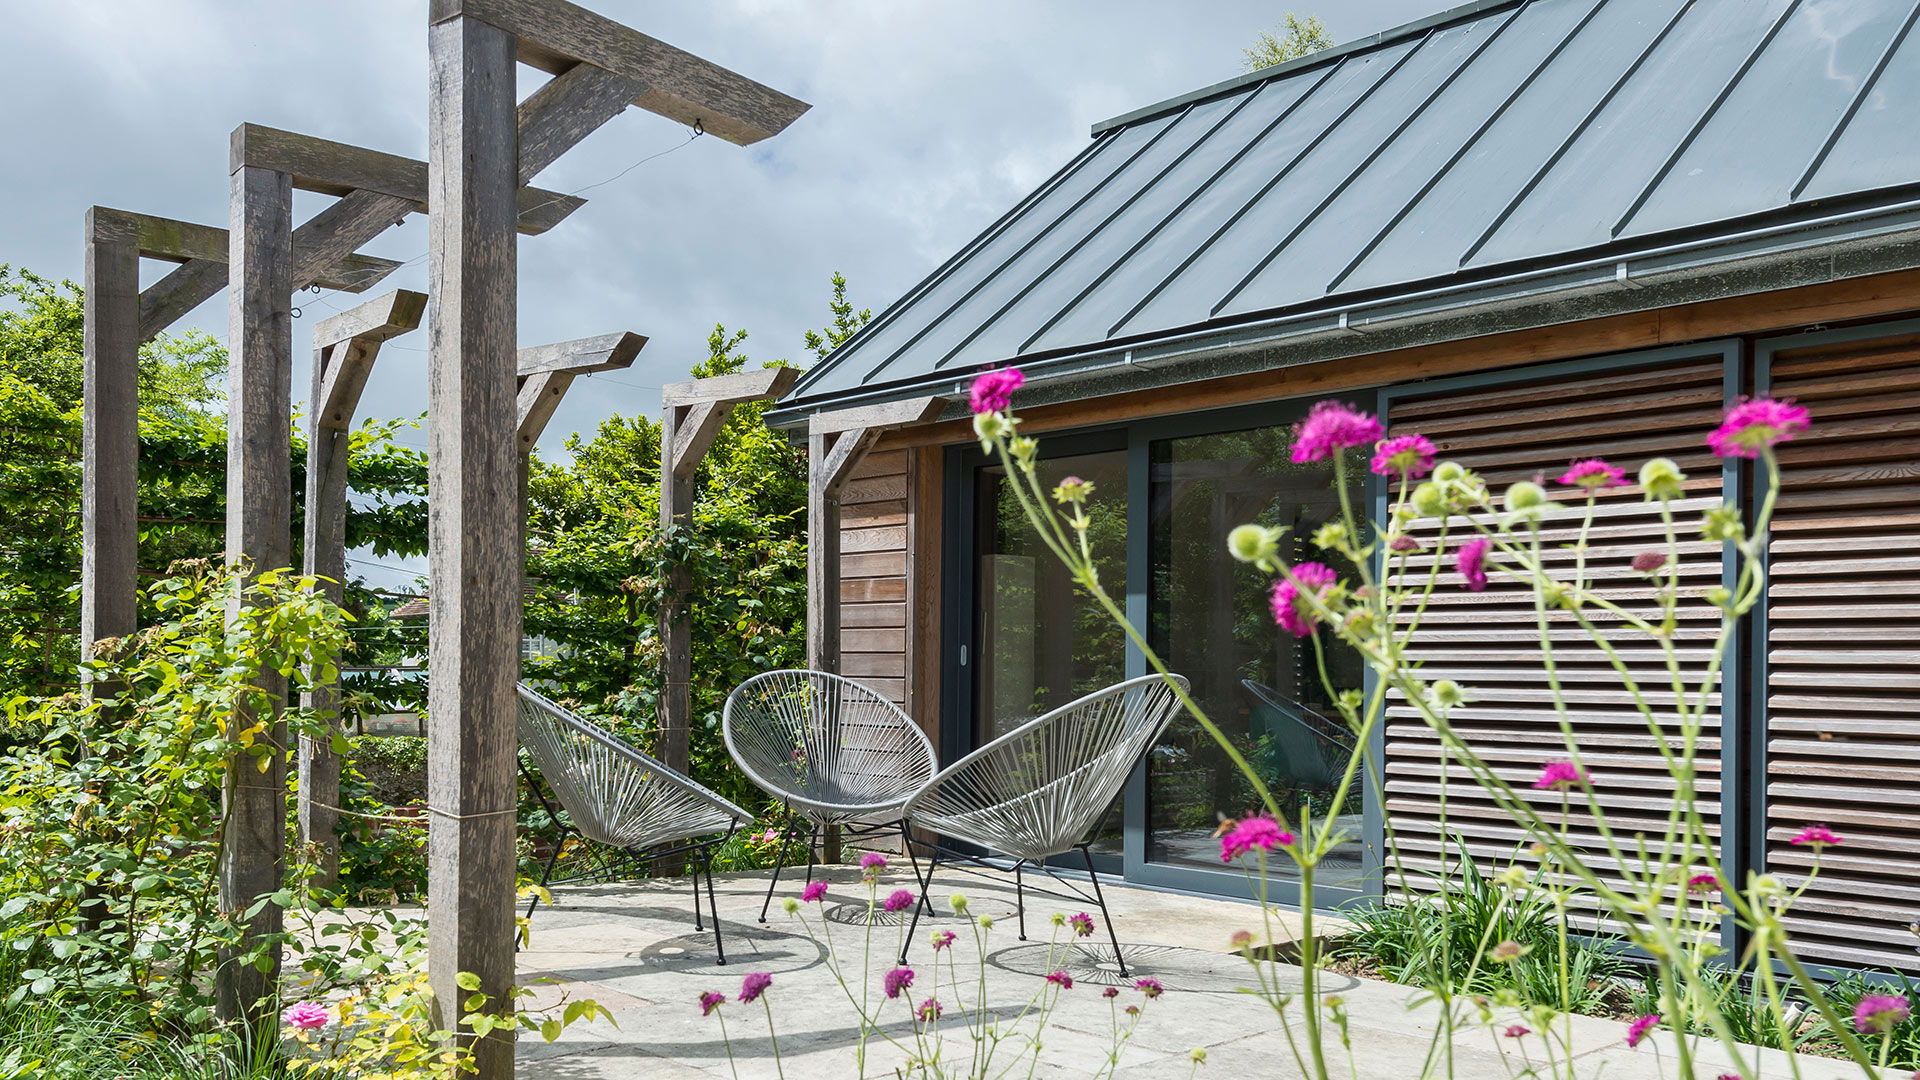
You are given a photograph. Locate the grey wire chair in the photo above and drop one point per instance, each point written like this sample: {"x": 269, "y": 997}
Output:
{"x": 623, "y": 800}
{"x": 1040, "y": 789}
{"x": 832, "y": 751}
{"x": 1314, "y": 749}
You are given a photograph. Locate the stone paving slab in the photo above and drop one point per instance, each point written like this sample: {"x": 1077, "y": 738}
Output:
{"x": 633, "y": 948}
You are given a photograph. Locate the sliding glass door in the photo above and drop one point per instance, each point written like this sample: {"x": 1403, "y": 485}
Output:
{"x": 1165, "y": 496}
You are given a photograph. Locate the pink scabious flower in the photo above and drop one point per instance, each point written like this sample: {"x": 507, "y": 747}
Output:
{"x": 873, "y": 860}
{"x": 993, "y": 390}
{"x": 306, "y": 1015}
{"x": 1648, "y": 561}
{"x": 1403, "y": 542}
{"x": 897, "y": 980}
{"x": 1149, "y": 987}
{"x": 711, "y": 1000}
{"x": 1082, "y": 924}
{"x": 754, "y": 985}
{"x": 1471, "y": 561}
{"x": 1110, "y": 992}
{"x": 1877, "y": 1014}
{"x": 1061, "y": 979}
{"x": 1754, "y": 424}
{"x": 930, "y": 1011}
{"x": 942, "y": 939}
{"x": 1331, "y": 427}
{"x": 1287, "y": 608}
{"x": 1593, "y": 474}
{"x": 1250, "y": 833}
{"x": 1560, "y": 776}
{"x": 900, "y": 900}
{"x": 1639, "y": 1028}
{"x": 813, "y": 892}
{"x": 1515, "y": 1031}
{"x": 1404, "y": 455}
{"x": 1703, "y": 883}
{"x": 1816, "y": 836}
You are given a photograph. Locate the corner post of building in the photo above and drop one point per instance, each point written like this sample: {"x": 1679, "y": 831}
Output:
{"x": 259, "y": 500}
{"x": 110, "y": 431}
{"x": 474, "y": 565}
{"x": 344, "y": 350}
{"x": 837, "y": 442}
{"x": 692, "y": 415}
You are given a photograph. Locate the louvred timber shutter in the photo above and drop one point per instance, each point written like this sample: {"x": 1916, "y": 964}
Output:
{"x": 1843, "y": 647}
{"x": 1530, "y": 427}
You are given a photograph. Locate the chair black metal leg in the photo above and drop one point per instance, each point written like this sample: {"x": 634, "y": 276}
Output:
{"x": 933, "y": 860}
{"x": 1100, "y": 899}
{"x": 713, "y": 905}
{"x": 906, "y": 845}
{"x": 1020, "y": 899}
{"x": 547, "y": 874}
{"x": 693, "y": 871}
{"x": 813, "y": 837}
{"x": 779, "y": 860}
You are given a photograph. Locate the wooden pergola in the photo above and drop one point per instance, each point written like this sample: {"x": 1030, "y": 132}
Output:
{"x": 488, "y": 401}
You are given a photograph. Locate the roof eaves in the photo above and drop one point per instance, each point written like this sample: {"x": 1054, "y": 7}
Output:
{"x": 1314, "y": 59}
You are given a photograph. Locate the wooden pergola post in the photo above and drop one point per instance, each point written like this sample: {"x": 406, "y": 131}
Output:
{"x": 693, "y": 414}
{"x": 837, "y": 442}
{"x": 119, "y": 318}
{"x": 344, "y": 350}
{"x": 479, "y": 151}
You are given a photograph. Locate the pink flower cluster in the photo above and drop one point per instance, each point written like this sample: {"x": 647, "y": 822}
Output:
{"x": 1331, "y": 427}
{"x": 754, "y": 985}
{"x": 1639, "y": 1028}
{"x": 1878, "y": 1014}
{"x": 1288, "y": 610}
{"x": 897, "y": 980}
{"x": 1061, "y": 979}
{"x": 813, "y": 892}
{"x": 900, "y": 900}
{"x": 306, "y": 1016}
{"x": 1409, "y": 456}
{"x": 1471, "y": 561}
{"x": 942, "y": 939}
{"x": 1594, "y": 475}
{"x": 1248, "y": 834}
{"x": 993, "y": 390}
{"x": 1755, "y": 424}
{"x": 711, "y": 1000}
{"x": 1816, "y": 836}
{"x": 1082, "y": 925}
{"x": 1560, "y": 776}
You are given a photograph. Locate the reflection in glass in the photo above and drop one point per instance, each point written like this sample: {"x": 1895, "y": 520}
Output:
{"x": 1042, "y": 641}
{"x": 1210, "y": 619}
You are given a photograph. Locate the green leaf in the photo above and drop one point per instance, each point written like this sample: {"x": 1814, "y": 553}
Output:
{"x": 467, "y": 980}
{"x": 42, "y": 986}
{"x": 550, "y": 1029}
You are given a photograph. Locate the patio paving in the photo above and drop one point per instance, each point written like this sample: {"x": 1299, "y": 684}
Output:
{"x": 632, "y": 948}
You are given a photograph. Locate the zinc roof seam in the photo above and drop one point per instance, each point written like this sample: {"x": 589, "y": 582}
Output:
{"x": 1660, "y": 175}
{"x": 1465, "y": 147}
{"x": 1367, "y": 163}
{"x": 1180, "y": 208}
{"x": 987, "y": 278}
{"x": 1089, "y": 235}
{"x": 1853, "y": 107}
{"x": 1254, "y": 201}
{"x": 1088, "y": 153}
{"x": 1579, "y": 130}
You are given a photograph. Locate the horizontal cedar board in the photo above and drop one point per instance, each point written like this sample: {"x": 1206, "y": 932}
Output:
{"x": 861, "y": 616}
{"x": 853, "y": 541}
{"x": 855, "y": 665}
{"x": 873, "y": 641}
{"x": 874, "y": 514}
{"x": 894, "y": 690}
{"x": 873, "y": 489}
{"x": 873, "y": 564}
{"x": 1827, "y": 302}
{"x": 870, "y": 590}
{"x": 882, "y": 463}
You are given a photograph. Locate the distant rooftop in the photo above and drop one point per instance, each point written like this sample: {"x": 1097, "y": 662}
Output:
{"x": 1484, "y": 149}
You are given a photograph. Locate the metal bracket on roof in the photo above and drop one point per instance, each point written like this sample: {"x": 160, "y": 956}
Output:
{"x": 1624, "y": 275}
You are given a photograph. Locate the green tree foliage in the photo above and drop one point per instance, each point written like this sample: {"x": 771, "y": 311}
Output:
{"x": 1295, "y": 37}
{"x": 182, "y": 494}
{"x": 598, "y": 569}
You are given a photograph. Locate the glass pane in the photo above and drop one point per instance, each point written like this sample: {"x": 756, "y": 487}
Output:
{"x": 1210, "y": 620}
{"x": 1042, "y": 641}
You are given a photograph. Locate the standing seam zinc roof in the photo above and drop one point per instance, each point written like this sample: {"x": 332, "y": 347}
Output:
{"x": 1505, "y": 134}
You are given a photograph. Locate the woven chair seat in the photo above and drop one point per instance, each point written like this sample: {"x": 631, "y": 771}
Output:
{"x": 833, "y": 750}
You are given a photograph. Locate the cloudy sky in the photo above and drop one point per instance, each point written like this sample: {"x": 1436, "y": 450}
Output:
{"x": 928, "y": 121}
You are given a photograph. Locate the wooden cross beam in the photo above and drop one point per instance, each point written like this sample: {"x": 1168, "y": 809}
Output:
{"x": 836, "y": 444}
{"x": 344, "y": 349}
{"x": 546, "y": 371}
{"x": 694, "y": 413}
{"x": 481, "y": 148}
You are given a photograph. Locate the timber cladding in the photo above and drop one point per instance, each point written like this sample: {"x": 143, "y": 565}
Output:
{"x": 1842, "y": 688}
{"x": 873, "y": 575}
{"x": 1530, "y": 428}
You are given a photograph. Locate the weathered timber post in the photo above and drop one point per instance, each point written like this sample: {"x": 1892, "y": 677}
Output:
{"x": 478, "y": 150}
{"x": 259, "y": 391}
{"x": 473, "y": 537}
{"x": 344, "y": 349}
{"x": 119, "y": 317}
{"x": 693, "y": 414}
{"x": 836, "y": 444}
